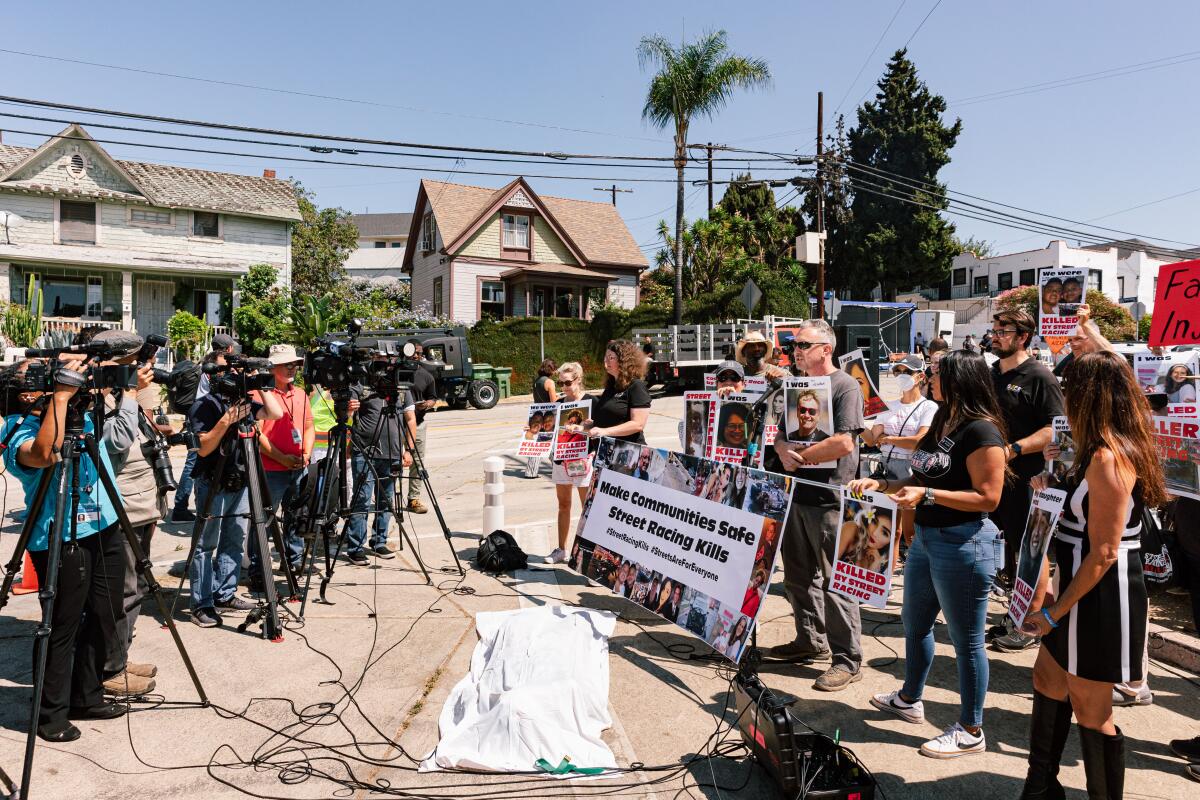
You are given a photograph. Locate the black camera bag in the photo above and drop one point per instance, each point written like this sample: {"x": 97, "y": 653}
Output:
{"x": 499, "y": 552}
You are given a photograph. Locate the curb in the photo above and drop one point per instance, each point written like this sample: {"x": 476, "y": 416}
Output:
{"x": 1175, "y": 648}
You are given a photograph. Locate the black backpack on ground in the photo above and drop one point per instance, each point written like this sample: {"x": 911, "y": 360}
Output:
{"x": 181, "y": 391}
{"x": 499, "y": 552}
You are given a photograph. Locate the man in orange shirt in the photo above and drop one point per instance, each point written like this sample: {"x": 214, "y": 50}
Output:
{"x": 286, "y": 445}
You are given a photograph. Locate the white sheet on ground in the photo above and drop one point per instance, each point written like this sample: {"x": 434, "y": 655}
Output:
{"x": 538, "y": 688}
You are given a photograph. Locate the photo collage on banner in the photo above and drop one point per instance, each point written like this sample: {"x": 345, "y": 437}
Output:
{"x": 570, "y": 441}
{"x": 1178, "y": 442}
{"x": 690, "y": 539}
{"x": 854, "y": 364}
{"x": 538, "y": 437}
{"x": 1061, "y": 433}
{"x": 1060, "y": 293}
{"x": 1039, "y": 530}
{"x": 1172, "y": 374}
{"x": 808, "y": 412}
{"x": 863, "y": 569}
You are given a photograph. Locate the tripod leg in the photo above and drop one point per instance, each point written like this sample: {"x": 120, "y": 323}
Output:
{"x": 258, "y": 528}
{"x": 198, "y": 528}
{"x": 437, "y": 508}
{"x": 14, "y": 563}
{"x": 143, "y": 564}
{"x": 416, "y": 554}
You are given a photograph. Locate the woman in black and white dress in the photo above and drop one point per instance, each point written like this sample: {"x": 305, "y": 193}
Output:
{"x": 1093, "y": 625}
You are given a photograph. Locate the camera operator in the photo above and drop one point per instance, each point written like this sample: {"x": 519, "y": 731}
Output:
{"x": 286, "y": 446}
{"x": 218, "y": 557}
{"x": 222, "y": 344}
{"x": 92, "y": 564}
{"x": 425, "y": 398}
{"x": 373, "y": 460}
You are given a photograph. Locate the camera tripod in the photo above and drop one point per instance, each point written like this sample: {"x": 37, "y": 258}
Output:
{"x": 65, "y": 481}
{"x": 243, "y": 440}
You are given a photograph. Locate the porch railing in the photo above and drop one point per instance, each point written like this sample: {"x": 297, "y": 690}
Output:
{"x": 73, "y": 324}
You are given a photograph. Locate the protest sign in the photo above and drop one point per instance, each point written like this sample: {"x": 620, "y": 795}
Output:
{"x": 1061, "y": 436}
{"x": 570, "y": 442}
{"x": 538, "y": 437}
{"x": 808, "y": 413}
{"x": 1171, "y": 374}
{"x": 854, "y": 364}
{"x": 756, "y": 384}
{"x": 732, "y": 432}
{"x": 1177, "y": 305}
{"x": 1178, "y": 443}
{"x": 863, "y": 569}
{"x": 699, "y": 416}
{"x": 690, "y": 539}
{"x": 774, "y": 417}
{"x": 1060, "y": 292}
{"x": 1039, "y": 529}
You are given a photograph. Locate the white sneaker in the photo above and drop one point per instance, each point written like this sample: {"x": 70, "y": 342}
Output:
{"x": 557, "y": 556}
{"x": 891, "y": 702}
{"x": 1126, "y": 695}
{"x": 955, "y": 741}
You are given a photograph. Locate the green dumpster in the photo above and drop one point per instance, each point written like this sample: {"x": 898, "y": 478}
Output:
{"x": 503, "y": 380}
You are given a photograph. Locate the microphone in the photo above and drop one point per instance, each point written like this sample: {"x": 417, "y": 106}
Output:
{"x": 107, "y": 344}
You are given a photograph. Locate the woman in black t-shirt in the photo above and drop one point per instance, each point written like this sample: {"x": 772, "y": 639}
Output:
{"x": 958, "y": 472}
{"x": 622, "y": 409}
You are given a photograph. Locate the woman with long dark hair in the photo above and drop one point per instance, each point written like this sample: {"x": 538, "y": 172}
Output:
{"x": 958, "y": 471}
{"x": 1093, "y": 625}
{"x": 623, "y": 408}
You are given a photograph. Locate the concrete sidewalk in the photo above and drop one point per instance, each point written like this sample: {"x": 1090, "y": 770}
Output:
{"x": 375, "y": 666}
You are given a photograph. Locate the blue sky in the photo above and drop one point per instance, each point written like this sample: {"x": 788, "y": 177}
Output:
{"x": 452, "y": 72}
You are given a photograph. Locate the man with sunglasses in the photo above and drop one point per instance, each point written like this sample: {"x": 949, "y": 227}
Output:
{"x": 286, "y": 446}
{"x": 827, "y": 625}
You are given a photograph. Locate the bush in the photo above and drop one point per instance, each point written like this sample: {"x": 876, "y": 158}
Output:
{"x": 186, "y": 334}
{"x": 263, "y": 316}
{"x": 1144, "y": 327}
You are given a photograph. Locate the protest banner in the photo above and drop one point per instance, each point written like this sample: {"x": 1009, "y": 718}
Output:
{"x": 863, "y": 569}
{"x": 1060, "y": 292}
{"x": 1039, "y": 530}
{"x": 1061, "y": 436}
{"x": 808, "y": 413}
{"x": 692, "y": 540}
{"x": 1172, "y": 374}
{"x": 854, "y": 364}
{"x": 732, "y": 431}
{"x": 699, "y": 416}
{"x": 570, "y": 442}
{"x": 538, "y": 436}
{"x": 1176, "y": 317}
{"x": 1178, "y": 443}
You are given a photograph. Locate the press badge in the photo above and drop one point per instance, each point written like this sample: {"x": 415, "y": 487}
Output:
{"x": 577, "y": 468}
{"x": 295, "y": 436}
{"x": 87, "y": 512}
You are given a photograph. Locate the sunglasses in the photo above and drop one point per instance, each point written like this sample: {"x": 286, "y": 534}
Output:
{"x": 805, "y": 411}
{"x": 806, "y": 345}
{"x": 728, "y": 377}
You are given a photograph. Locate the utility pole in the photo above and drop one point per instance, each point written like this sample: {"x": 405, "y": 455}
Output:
{"x": 820, "y": 206}
{"x": 613, "y": 190}
{"x": 710, "y": 178}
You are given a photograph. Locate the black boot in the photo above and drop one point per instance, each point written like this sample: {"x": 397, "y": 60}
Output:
{"x": 1103, "y": 763}
{"x": 1049, "y": 725}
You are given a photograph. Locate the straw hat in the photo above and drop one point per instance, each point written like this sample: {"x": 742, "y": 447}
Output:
{"x": 754, "y": 337}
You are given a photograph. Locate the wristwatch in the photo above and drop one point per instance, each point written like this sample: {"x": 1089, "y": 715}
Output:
{"x": 1016, "y": 448}
{"x": 928, "y": 501}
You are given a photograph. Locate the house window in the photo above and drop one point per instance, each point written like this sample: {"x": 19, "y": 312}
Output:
{"x": 516, "y": 231}
{"x": 1004, "y": 282}
{"x": 1094, "y": 281}
{"x": 960, "y": 277}
{"x": 76, "y": 222}
{"x": 1028, "y": 277}
{"x": 981, "y": 284}
{"x": 428, "y": 234}
{"x": 566, "y": 302}
{"x": 437, "y": 295}
{"x": 95, "y": 296}
{"x": 380, "y": 245}
{"x": 206, "y": 224}
{"x": 491, "y": 299}
{"x": 1121, "y": 287}
{"x": 63, "y": 297}
{"x": 537, "y": 301}
{"x": 397, "y": 244}
{"x": 149, "y": 216}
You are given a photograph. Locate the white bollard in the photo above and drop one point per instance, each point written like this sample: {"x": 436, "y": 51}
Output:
{"x": 493, "y": 495}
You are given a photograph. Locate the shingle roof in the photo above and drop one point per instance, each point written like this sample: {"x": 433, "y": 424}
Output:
{"x": 595, "y": 227}
{"x": 370, "y": 225}
{"x": 186, "y": 188}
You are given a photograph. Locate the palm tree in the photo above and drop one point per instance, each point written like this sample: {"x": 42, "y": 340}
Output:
{"x": 697, "y": 78}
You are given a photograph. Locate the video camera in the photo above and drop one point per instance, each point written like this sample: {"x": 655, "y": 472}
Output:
{"x": 382, "y": 366}
{"x": 238, "y": 376}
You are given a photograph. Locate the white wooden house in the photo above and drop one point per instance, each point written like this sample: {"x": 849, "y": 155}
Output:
{"x": 125, "y": 243}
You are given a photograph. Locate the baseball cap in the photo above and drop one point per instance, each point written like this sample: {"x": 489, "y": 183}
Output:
{"x": 283, "y": 354}
{"x": 223, "y": 341}
{"x": 730, "y": 366}
{"x": 914, "y": 362}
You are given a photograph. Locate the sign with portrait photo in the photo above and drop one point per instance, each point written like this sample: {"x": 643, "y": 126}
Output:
{"x": 854, "y": 364}
{"x": 1172, "y": 374}
{"x": 1061, "y": 436}
{"x": 808, "y": 413}
{"x": 699, "y": 416}
{"x": 731, "y": 437}
{"x": 570, "y": 442}
{"x": 862, "y": 570}
{"x": 1039, "y": 530}
{"x": 538, "y": 437}
{"x": 1060, "y": 293}
{"x": 694, "y": 540}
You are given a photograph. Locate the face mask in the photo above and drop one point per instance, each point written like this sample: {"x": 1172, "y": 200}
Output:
{"x": 906, "y": 382}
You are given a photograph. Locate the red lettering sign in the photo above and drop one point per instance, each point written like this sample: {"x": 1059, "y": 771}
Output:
{"x": 1177, "y": 306}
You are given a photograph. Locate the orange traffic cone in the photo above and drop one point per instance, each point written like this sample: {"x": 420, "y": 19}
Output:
{"x": 29, "y": 579}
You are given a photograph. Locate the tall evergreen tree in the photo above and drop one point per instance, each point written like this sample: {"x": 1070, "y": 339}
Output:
{"x": 897, "y": 149}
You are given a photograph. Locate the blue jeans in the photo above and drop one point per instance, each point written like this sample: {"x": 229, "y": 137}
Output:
{"x": 184, "y": 492}
{"x": 218, "y": 559}
{"x": 281, "y": 485}
{"x": 950, "y": 570}
{"x": 364, "y": 481}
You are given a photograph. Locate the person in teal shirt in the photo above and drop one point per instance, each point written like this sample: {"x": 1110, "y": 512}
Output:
{"x": 91, "y": 570}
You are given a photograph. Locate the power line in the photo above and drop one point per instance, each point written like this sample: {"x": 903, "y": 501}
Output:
{"x": 1123, "y": 210}
{"x": 317, "y": 96}
{"x": 870, "y": 55}
{"x": 922, "y": 24}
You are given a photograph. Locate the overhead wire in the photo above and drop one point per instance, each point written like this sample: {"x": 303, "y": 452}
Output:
{"x": 870, "y": 55}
